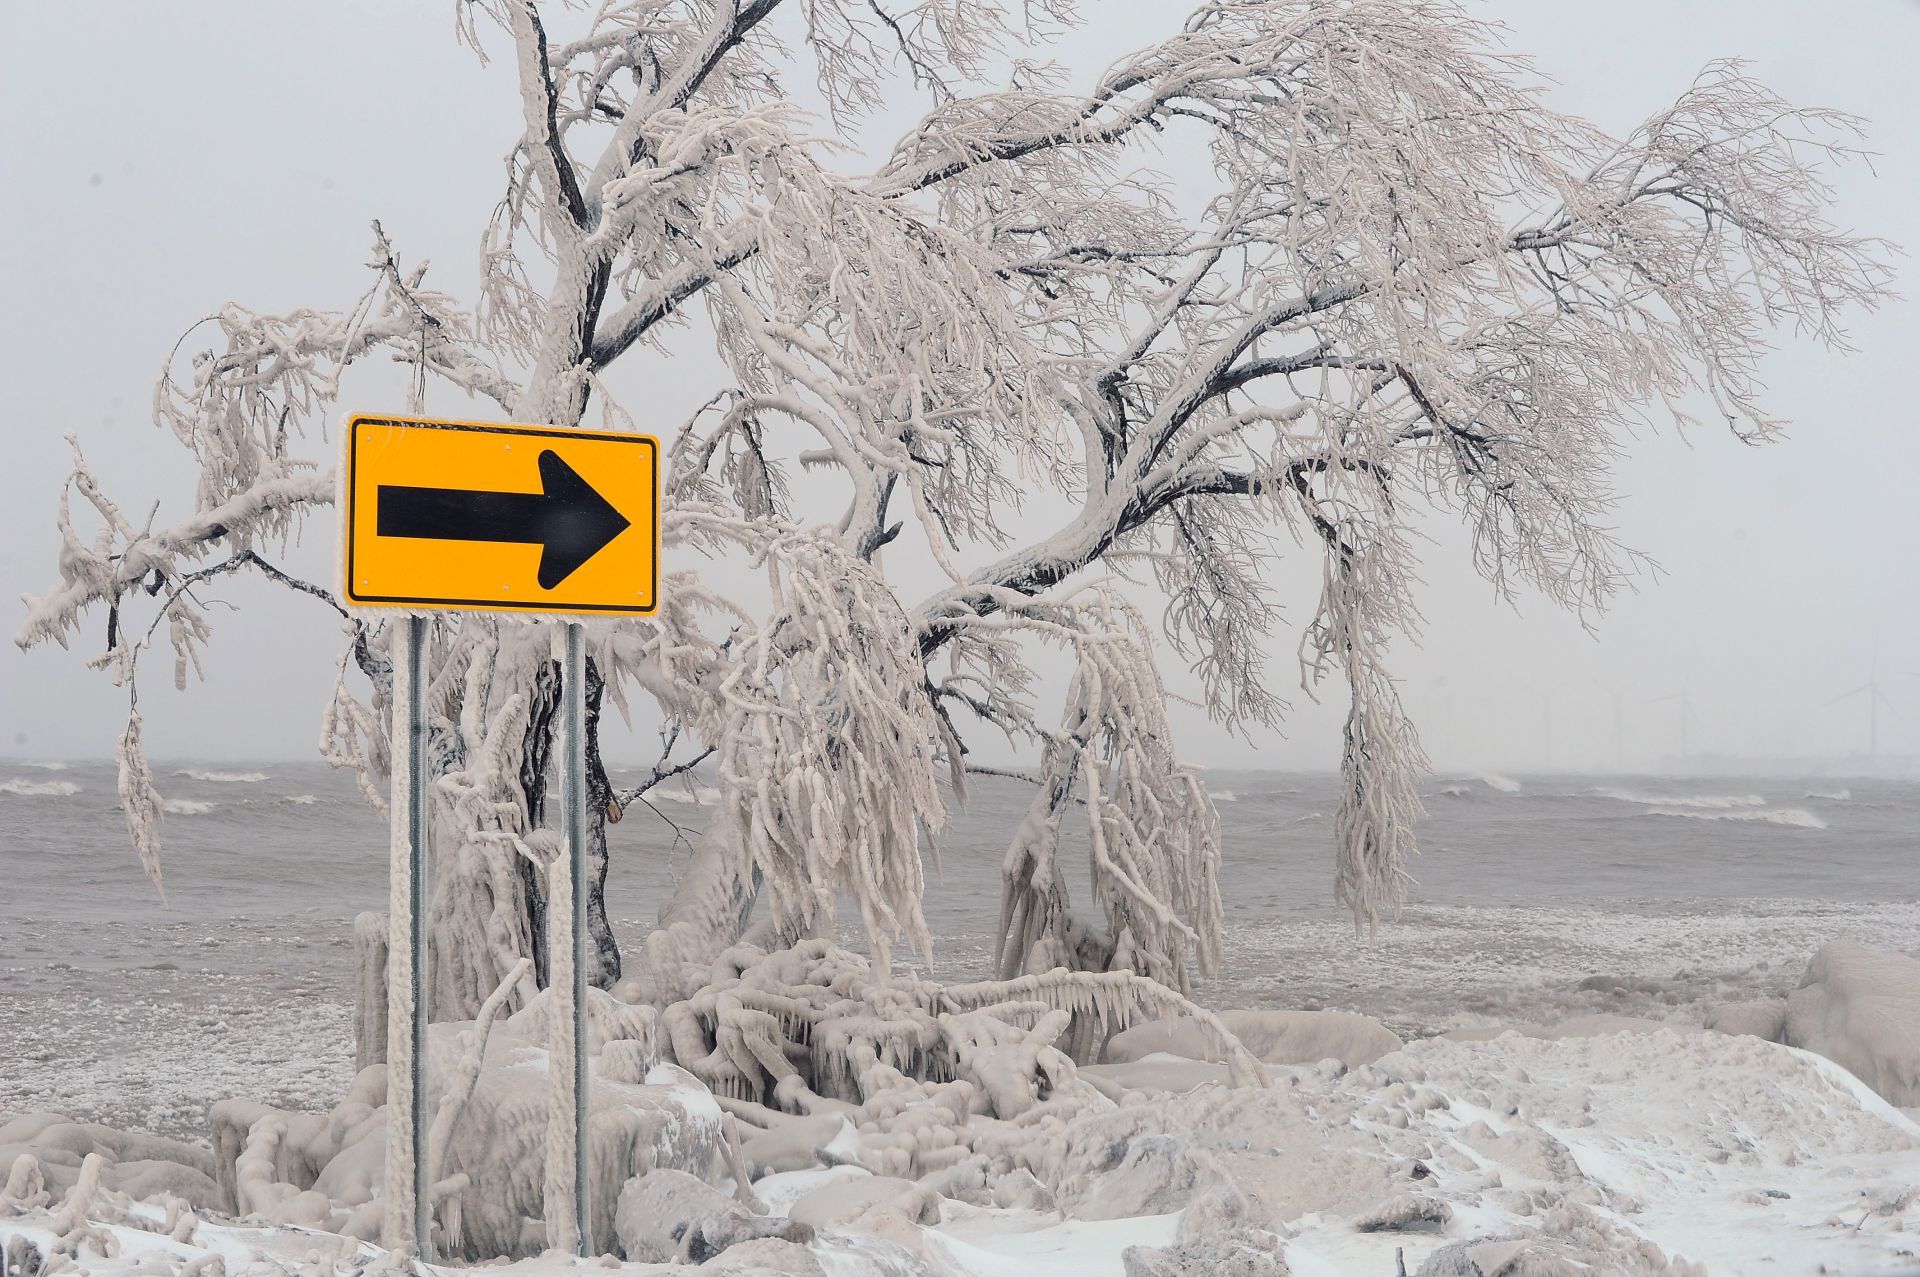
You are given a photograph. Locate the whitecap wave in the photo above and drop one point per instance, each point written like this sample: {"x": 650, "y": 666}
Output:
{"x": 703, "y": 794}
{"x": 1501, "y": 783}
{"x": 1224, "y": 796}
{"x": 185, "y": 806}
{"x": 1830, "y": 795}
{"x": 227, "y": 778}
{"x": 1797, "y": 817}
{"x": 20, "y": 788}
{"x": 300, "y": 800}
{"x": 1451, "y": 791}
{"x": 1705, "y": 802}
{"x": 47, "y": 766}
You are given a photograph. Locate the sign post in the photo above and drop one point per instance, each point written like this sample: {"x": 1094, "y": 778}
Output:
{"x": 485, "y": 517}
{"x": 408, "y": 1215}
{"x": 573, "y": 796}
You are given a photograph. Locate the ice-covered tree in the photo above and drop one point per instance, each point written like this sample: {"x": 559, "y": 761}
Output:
{"x": 1408, "y": 286}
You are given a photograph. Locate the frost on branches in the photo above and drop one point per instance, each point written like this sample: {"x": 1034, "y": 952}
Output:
{"x": 1410, "y": 287}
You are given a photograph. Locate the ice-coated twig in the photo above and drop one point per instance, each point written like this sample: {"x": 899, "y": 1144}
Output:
{"x": 1404, "y": 285}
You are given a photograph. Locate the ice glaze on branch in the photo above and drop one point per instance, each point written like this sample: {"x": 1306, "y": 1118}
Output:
{"x": 1407, "y": 286}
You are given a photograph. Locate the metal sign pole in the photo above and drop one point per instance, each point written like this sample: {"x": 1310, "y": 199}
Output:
{"x": 573, "y": 798}
{"x": 409, "y": 1216}
{"x": 422, "y": 500}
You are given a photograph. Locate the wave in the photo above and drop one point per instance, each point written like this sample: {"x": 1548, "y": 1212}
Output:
{"x": 1830, "y": 795}
{"x": 39, "y": 788}
{"x": 46, "y": 767}
{"x": 300, "y": 800}
{"x": 185, "y": 807}
{"x": 702, "y": 794}
{"x": 1500, "y": 783}
{"x": 1707, "y": 802}
{"x": 1224, "y": 796}
{"x": 1797, "y": 817}
{"x": 227, "y": 778}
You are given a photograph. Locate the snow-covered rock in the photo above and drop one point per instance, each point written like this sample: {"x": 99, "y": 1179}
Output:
{"x": 843, "y": 1201}
{"x": 1646, "y": 1153}
{"x": 326, "y": 1171}
{"x": 1274, "y": 1037}
{"x": 1153, "y": 1073}
{"x": 138, "y": 1165}
{"x": 1645, "y": 1150}
{"x": 1860, "y": 1007}
{"x": 1764, "y": 1020}
{"x": 668, "y": 1215}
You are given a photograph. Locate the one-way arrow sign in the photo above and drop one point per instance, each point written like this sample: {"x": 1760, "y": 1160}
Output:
{"x": 448, "y": 514}
{"x": 566, "y": 518}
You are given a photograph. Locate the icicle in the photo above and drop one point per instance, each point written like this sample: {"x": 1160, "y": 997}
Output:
{"x": 140, "y": 800}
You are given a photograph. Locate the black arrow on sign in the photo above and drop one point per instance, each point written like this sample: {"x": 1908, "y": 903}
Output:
{"x": 567, "y": 519}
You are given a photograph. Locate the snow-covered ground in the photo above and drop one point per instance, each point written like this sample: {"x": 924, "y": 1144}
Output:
{"x": 1630, "y": 1153}
{"x": 1734, "y": 1153}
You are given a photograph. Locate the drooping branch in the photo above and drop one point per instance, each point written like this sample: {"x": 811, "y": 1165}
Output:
{"x": 1406, "y": 286}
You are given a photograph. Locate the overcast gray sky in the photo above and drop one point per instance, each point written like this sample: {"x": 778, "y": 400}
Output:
{"x": 161, "y": 159}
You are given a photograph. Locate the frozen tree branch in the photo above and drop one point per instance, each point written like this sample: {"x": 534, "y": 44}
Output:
{"x": 1408, "y": 287}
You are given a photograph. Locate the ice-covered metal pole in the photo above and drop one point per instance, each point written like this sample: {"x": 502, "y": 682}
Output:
{"x": 569, "y": 1225}
{"x": 409, "y": 1215}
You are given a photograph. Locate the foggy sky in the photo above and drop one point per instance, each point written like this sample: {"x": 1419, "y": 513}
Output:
{"x": 165, "y": 158}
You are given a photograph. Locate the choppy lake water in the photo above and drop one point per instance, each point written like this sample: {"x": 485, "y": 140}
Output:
{"x": 1539, "y": 898}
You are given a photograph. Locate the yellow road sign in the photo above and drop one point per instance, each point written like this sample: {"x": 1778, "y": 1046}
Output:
{"x": 477, "y": 516}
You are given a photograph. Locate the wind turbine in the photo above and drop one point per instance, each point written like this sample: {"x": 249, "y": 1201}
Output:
{"x": 1546, "y": 720}
{"x": 1619, "y": 695}
{"x": 1685, "y": 697}
{"x": 1875, "y": 699}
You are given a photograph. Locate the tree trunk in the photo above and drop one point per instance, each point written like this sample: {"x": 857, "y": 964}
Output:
{"x": 603, "y": 954}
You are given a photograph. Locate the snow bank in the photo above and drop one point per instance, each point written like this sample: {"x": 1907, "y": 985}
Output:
{"x": 1860, "y": 1007}
{"x": 1642, "y": 1152}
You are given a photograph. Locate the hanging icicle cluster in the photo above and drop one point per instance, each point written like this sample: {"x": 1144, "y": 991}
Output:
{"x": 1407, "y": 286}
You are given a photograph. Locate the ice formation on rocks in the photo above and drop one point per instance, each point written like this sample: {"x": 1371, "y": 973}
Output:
{"x": 1645, "y": 1152}
{"x": 1274, "y": 1037}
{"x": 1353, "y": 311}
{"x": 1861, "y": 1008}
